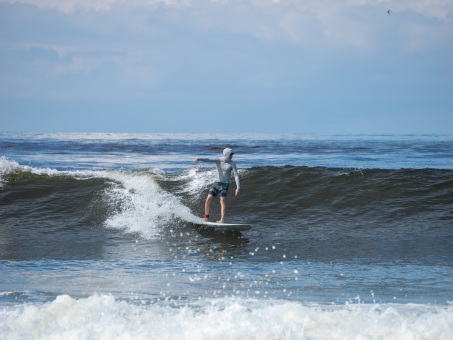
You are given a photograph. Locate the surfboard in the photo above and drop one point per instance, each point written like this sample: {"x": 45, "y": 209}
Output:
{"x": 223, "y": 226}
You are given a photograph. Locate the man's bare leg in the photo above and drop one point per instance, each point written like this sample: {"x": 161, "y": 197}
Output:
{"x": 207, "y": 206}
{"x": 222, "y": 209}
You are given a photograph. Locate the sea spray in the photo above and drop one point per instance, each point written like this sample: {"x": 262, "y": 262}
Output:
{"x": 139, "y": 205}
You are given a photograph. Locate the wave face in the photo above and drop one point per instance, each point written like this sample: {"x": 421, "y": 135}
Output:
{"x": 40, "y": 204}
{"x": 321, "y": 212}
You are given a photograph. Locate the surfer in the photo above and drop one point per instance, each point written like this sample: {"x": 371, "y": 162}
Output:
{"x": 224, "y": 165}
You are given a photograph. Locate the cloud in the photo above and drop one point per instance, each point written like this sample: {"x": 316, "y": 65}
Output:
{"x": 138, "y": 47}
{"x": 100, "y": 5}
{"x": 439, "y": 9}
{"x": 350, "y": 23}
{"x": 287, "y": 58}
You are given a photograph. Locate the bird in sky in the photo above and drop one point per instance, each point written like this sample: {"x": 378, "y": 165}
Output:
{"x": 389, "y": 12}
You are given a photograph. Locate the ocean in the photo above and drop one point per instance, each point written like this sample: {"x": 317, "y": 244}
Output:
{"x": 351, "y": 238}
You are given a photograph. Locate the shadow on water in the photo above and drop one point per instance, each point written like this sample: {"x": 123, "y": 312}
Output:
{"x": 228, "y": 235}
{"x": 189, "y": 240}
{"x": 222, "y": 244}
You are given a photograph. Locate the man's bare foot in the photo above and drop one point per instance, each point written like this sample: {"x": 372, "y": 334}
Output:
{"x": 220, "y": 221}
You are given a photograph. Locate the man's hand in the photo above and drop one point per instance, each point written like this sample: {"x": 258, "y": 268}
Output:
{"x": 236, "y": 193}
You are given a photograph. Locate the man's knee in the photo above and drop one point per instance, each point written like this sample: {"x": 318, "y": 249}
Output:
{"x": 209, "y": 198}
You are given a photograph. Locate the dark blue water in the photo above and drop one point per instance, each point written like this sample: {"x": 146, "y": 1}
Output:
{"x": 351, "y": 236}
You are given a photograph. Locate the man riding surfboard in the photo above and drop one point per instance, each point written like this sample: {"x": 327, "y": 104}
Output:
{"x": 224, "y": 166}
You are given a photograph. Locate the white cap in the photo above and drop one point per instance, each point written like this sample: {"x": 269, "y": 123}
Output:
{"x": 228, "y": 152}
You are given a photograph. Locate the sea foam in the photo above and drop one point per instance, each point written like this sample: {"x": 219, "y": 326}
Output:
{"x": 104, "y": 317}
{"x": 141, "y": 206}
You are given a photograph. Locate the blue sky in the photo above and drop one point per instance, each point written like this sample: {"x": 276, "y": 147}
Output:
{"x": 263, "y": 66}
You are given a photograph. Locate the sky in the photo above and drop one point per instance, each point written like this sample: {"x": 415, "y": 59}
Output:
{"x": 227, "y": 66}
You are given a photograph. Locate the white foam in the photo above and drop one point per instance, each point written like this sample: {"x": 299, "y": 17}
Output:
{"x": 7, "y": 167}
{"x": 196, "y": 180}
{"x": 104, "y": 317}
{"x": 142, "y": 206}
